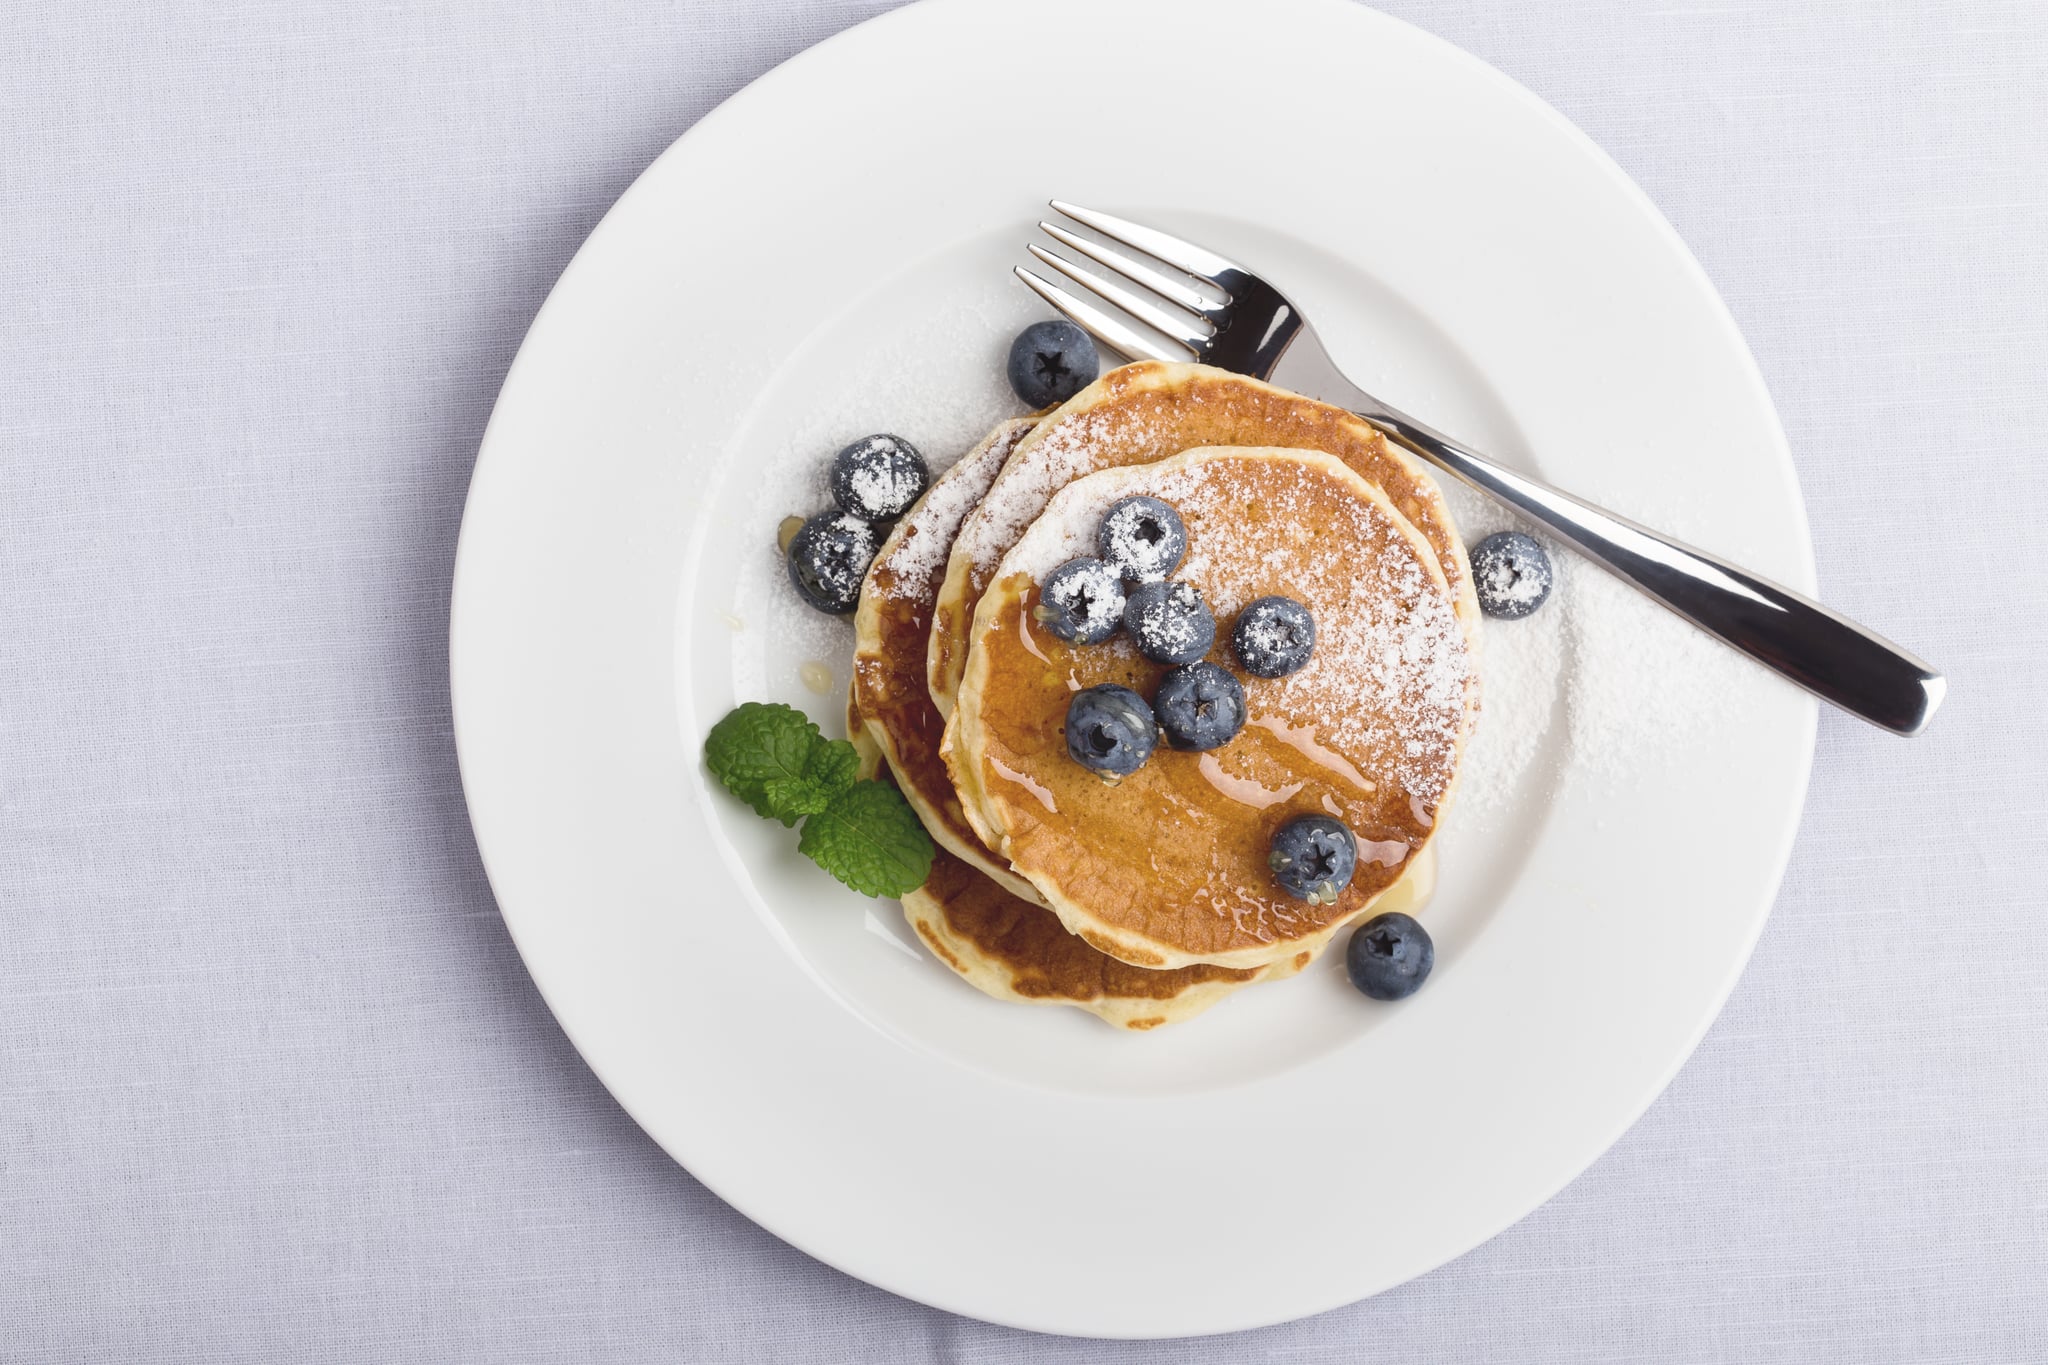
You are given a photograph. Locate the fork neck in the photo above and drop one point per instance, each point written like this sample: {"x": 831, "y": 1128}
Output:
{"x": 1307, "y": 369}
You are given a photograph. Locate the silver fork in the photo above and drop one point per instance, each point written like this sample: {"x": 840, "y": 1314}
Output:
{"x": 1252, "y": 328}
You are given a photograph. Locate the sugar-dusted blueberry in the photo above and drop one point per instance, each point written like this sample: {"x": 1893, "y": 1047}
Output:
{"x": 879, "y": 477}
{"x": 1082, "y": 601}
{"x": 828, "y": 557}
{"x": 1389, "y": 957}
{"x": 1313, "y": 857}
{"x": 1143, "y": 537}
{"x": 1273, "y": 637}
{"x": 1199, "y": 706}
{"x": 1510, "y": 574}
{"x": 1110, "y": 730}
{"x": 1169, "y": 622}
{"x": 1051, "y": 361}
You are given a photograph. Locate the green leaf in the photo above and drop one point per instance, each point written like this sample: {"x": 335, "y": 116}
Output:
{"x": 863, "y": 832}
{"x": 789, "y": 799}
{"x": 760, "y": 743}
{"x": 871, "y": 839}
{"x": 833, "y": 766}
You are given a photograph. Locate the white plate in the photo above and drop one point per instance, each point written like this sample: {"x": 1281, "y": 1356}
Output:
{"x": 827, "y": 254}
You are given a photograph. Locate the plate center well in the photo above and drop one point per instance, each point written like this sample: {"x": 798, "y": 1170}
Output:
{"x": 920, "y": 354}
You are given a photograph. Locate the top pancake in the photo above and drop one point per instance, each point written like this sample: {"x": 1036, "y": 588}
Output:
{"x": 1370, "y": 730}
{"x": 1145, "y": 412}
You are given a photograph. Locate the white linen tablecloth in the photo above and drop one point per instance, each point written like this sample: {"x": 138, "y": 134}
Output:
{"x": 273, "y": 1084}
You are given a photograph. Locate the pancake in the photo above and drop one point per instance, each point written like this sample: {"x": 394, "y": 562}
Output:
{"x": 890, "y": 631}
{"x": 869, "y": 752}
{"x": 973, "y": 913}
{"x": 1145, "y": 412}
{"x": 1016, "y": 949}
{"x": 1019, "y": 951}
{"x": 1167, "y": 868}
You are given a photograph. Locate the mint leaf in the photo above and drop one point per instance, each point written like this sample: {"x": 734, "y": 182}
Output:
{"x": 760, "y": 743}
{"x": 790, "y": 798}
{"x": 833, "y": 766}
{"x": 869, "y": 838}
{"x": 863, "y": 832}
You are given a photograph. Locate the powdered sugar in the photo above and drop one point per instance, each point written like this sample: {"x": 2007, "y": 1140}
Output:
{"x": 1142, "y": 537}
{"x": 1269, "y": 634}
{"x": 931, "y": 372}
{"x": 1088, "y": 596}
{"x": 834, "y": 550}
{"x": 1500, "y": 582}
{"x": 891, "y": 486}
{"x": 1169, "y": 622}
{"x": 1521, "y": 667}
{"x": 1273, "y": 636}
{"x": 1064, "y": 527}
{"x": 1642, "y": 679}
{"x": 916, "y": 559}
{"x": 1616, "y": 678}
{"x": 1387, "y": 684}
{"x": 1054, "y": 457}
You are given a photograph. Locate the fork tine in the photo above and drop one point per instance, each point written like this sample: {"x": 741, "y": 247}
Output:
{"x": 1107, "y": 328}
{"x": 1179, "y": 327}
{"x": 1203, "y": 264}
{"x": 1158, "y": 281}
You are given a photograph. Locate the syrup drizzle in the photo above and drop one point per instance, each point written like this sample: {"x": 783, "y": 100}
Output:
{"x": 1043, "y": 794}
{"x": 1024, "y": 634}
{"x": 1302, "y": 739}
{"x": 1242, "y": 789}
{"x": 1385, "y": 852}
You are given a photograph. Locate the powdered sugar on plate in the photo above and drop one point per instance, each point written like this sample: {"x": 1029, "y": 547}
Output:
{"x": 935, "y": 376}
{"x": 1642, "y": 679}
{"x": 1623, "y": 677}
{"x": 1521, "y": 672}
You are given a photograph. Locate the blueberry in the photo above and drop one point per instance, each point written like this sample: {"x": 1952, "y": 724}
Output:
{"x": 1169, "y": 622}
{"x": 1050, "y": 362}
{"x": 828, "y": 557}
{"x": 1200, "y": 706}
{"x": 1511, "y": 574}
{"x": 879, "y": 477}
{"x": 1389, "y": 957}
{"x": 1273, "y": 637}
{"x": 1110, "y": 730}
{"x": 1082, "y": 601}
{"x": 1143, "y": 537}
{"x": 1313, "y": 858}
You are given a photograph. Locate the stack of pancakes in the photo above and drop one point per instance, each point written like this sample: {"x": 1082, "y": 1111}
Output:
{"x": 1146, "y": 900}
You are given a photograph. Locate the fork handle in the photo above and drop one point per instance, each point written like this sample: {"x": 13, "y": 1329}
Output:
{"x": 1822, "y": 651}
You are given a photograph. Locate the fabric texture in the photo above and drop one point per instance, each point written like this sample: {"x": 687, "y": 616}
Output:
{"x": 273, "y": 1083}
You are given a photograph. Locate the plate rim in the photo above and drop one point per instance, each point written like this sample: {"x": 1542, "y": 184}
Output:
{"x": 465, "y": 590}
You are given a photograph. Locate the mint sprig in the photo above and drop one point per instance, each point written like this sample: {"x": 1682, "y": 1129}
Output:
{"x": 871, "y": 839}
{"x": 863, "y": 832}
{"x": 758, "y": 744}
